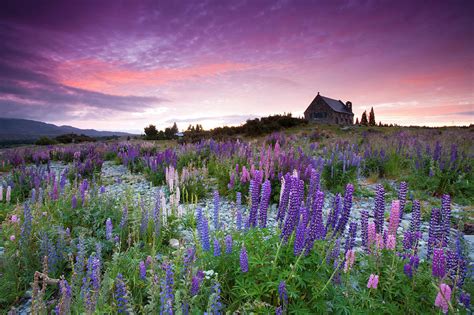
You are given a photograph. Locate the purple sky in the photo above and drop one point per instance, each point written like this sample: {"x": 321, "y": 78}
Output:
{"x": 121, "y": 65}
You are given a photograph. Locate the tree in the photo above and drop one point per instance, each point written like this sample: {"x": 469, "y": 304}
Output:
{"x": 371, "y": 117}
{"x": 357, "y": 120}
{"x": 168, "y": 133}
{"x": 174, "y": 129}
{"x": 151, "y": 132}
{"x": 363, "y": 120}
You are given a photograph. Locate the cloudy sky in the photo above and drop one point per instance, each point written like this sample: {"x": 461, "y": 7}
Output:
{"x": 121, "y": 65}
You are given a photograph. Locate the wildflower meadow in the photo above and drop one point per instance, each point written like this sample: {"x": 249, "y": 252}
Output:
{"x": 366, "y": 221}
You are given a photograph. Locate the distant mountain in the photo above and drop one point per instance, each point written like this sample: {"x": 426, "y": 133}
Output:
{"x": 24, "y": 129}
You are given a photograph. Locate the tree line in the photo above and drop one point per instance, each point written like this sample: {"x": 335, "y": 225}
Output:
{"x": 252, "y": 127}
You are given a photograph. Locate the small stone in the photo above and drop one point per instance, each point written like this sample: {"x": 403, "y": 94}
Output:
{"x": 174, "y": 243}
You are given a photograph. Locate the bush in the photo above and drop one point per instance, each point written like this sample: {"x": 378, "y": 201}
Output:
{"x": 45, "y": 141}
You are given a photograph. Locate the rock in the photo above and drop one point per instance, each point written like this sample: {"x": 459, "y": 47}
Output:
{"x": 470, "y": 246}
{"x": 174, "y": 243}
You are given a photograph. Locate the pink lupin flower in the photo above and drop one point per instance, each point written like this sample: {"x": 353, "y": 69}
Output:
{"x": 443, "y": 297}
{"x": 12, "y": 238}
{"x": 394, "y": 217}
{"x": 350, "y": 258}
{"x": 371, "y": 233}
{"x": 379, "y": 243}
{"x": 15, "y": 218}
{"x": 373, "y": 281}
{"x": 245, "y": 175}
{"x": 391, "y": 242}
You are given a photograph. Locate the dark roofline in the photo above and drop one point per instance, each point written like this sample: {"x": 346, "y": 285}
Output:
{"x": 332, "y": 103}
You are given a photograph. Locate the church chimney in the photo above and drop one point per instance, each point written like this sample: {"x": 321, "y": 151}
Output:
{"x": 349, "y": 106}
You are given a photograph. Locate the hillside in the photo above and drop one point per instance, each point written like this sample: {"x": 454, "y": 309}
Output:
{"x": 13, "y": 129}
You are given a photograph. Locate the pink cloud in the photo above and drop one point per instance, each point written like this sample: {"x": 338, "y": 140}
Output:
{"x": 97, "y": 75}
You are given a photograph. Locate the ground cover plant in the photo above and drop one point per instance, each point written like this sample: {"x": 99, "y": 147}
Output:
{"x": 365, "y": 220}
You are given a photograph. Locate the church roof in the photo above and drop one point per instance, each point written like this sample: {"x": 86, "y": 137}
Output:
{"x": 336, "y": 105}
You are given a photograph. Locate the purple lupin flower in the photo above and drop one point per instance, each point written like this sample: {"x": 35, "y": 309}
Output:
{"x": 434, "y": 230}
{"x": 346, "y": 211}
{"x": 238, "y": 222}
{"x": 407, "y": 269}
{"x": 74, "y": 202}
{"x": 188, "y": 259}
{"x": 228, "y": 244}
{"x": 415, "y": 223}
{"x": 465, "y": 299}
{"x": 455, "y": 267}
{"x": 216, "y": 210}
{"x": 124, "y": 220}
{"x": 144, "y": 219}
{"x": 244, "y": 261}
{"x": 304, "y": 214}
{"x": 446, "y": 218}
{"x": 299, "y": 238}
{"x": 333, "y": 217}
{"x": 121, "y": 295}
{"x": 195, "y": 283}
{"x": 379, "y": 209}
{"x": 142, "y": 270}
{"x": 167, "y": 296}
{"x": 254, "y": 198}
{"x": 439, "y": 263}
{"x": 217, "y": 247}
{"x": 316, "y": 227}
{"x": 157, "y": 216}
{"x": 264, "y": 202}
{"x": 80, "y": 258}
{"x": 364, "y": 225}
{"x": 91, "y": 283}
{"x": 451, "y": 263}
{"x": 296, "y": 196}
{"x": 64, "y": 304}
{"x": 313, "y": 186}
{"x": 83, "y": 188}
{"x": 414, "y": 261}
{"x": 402, "y": 196}
{"x": 108, "y": 229}
{"x": 408, "y": 241}
{"x": 334, "y": 254}
{"x": 215, "y": 299}
{"x": 199, "y": 217}
{"x": 54, "y": 193}
{"x": 27, "y": 225}
{"x": 283, "y": 294}
{"x": 350, "y": 241}
{"x": 205, "y": 242}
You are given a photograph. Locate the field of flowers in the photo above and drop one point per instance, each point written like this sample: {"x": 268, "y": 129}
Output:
{"x": 314, "y": 221}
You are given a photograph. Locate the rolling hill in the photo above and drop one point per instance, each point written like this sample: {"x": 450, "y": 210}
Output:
{"x": 14, "y": 129}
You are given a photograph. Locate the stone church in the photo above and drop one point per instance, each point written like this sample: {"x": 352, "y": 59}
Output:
{"x": 329, "y": 111}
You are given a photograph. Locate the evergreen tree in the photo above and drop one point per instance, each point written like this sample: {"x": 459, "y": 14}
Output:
{"x": 174, "y": 129}
{"x": 357, "y": 120}
{"x": 363, "y": 120}
{"x": 371, "y": 117}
